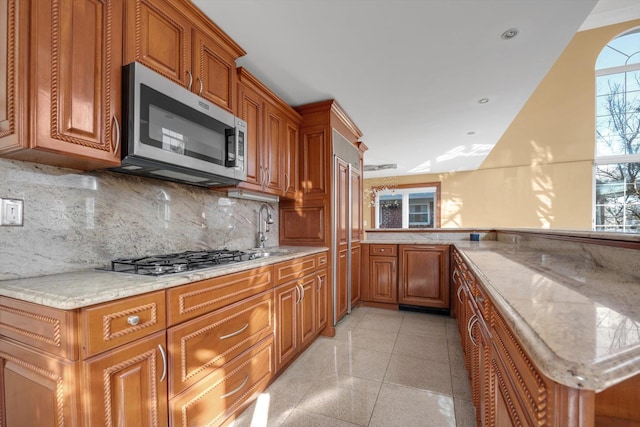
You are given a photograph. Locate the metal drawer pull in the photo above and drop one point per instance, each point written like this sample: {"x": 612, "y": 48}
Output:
{"x": 459, "y": 297}
{"x": 472, "y": 322}
{"x": 118, "y": 135}
{"x": 237, "y": 389}
{"x": 233, "y": 334}
{"x": 319, "y": 282}
{"x": 190, "y": 80}
{"x": 164, "y": 363}
{"x": 133, "y": 320}
{"x": 201, "y": 86}
{"x": 301, "y": 292}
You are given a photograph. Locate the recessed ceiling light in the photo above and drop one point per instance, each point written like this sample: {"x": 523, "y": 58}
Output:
{"x": 483, "y": 100}
{"x": 509, "y": 34}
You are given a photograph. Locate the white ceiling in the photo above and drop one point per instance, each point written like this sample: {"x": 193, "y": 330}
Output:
{"x": 410, "y": 72}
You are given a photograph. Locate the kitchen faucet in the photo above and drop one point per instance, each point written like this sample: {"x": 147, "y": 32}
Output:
{"x": 269, "y": 220}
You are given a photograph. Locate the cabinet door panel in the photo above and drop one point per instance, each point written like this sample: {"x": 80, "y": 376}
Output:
{"x": 307, "y": 309}
{"x": 251, "y": 110}
{"x": 215, "y": 71}
{"x": 424, "y": 276}
{"x": 314, "y": 163}
{"x": 158, "y": 37}
{"x": 291, "y": 162}
{"x": 286, "y": 323}
{"x": 383, "y": 279}
{"x": 342, "y": 277}
{"x": 355, "y": 274}
{"x": 28, "y": 377}
{"x": 74, "y": 114}
{"x": 125, "y": 387}
{"x": 322, "y": 300}
{"x": 273, "y": 153}
{"x": 12, "y": 80}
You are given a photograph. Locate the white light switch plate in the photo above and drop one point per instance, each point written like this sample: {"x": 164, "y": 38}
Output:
{"x": 11, "y": 211}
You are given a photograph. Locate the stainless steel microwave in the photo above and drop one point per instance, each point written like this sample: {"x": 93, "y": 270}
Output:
{"x": 173, "y": 134}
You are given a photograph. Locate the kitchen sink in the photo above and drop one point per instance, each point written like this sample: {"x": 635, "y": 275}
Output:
{"x": 265, "y": 252}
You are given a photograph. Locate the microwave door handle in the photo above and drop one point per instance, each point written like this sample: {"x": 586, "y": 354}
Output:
{"x": 232, "y": 148}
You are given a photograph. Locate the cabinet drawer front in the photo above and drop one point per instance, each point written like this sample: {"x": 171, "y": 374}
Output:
{"x": 189, "y": 301}
{"x": 323, "y": 259}
{"x": 384, "y": 250}
{"x": 41, "y": 327}
{"x": 226, "y": 391}
{"x": 200, "y": 346}
{"x": 295, "y": 269}
{"x": 110, "y": 325}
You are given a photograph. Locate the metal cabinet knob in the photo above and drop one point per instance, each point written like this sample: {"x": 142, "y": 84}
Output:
{"x": 133, "y": 320}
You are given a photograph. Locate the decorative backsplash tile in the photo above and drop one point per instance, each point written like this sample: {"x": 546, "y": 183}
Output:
{"x": 76, "y": 220}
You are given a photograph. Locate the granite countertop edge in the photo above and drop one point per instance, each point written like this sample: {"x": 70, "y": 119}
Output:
{"x": 75, "y": 290}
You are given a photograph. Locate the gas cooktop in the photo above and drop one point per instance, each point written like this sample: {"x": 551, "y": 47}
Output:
{"x": 158, "y": 265}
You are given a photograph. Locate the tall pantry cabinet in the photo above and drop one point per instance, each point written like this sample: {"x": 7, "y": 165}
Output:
{"x": 326, "y": 210}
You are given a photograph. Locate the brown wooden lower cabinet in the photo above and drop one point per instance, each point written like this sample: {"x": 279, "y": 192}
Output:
{"x": 193, "y": 355}
{"x": 507, "y": 387}
{"x": 136, "y": 372}
{"x": 37, "y": 389}
{"x": 423, "y": 277}
{"x": 226, "y": 390}
{"x": 301, "y": 313}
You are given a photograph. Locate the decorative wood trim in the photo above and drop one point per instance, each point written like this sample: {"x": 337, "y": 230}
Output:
{"x": 109, "y": 147}
{"x": 537, "y": 404}
{"x": 11, "y": 69}
{"x": 504, "y": 391}
{"x": 60, "y": 392}
{"x": 148, "y": 355}
{"x": 55, "y": 79}
{"x": 106, "y": 321}
{"x": 55, "y": 340}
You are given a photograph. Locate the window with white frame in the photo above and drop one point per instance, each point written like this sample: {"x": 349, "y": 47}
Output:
{"x": 414, "y": 207}
{"x": 617, "y": 157}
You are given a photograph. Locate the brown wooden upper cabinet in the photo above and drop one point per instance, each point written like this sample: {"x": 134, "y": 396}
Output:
{"x": 272, "y": 138}
{"x": 175, "y": 39}
{"x": 423, "y": 277}
{"x": 60, "y": 82}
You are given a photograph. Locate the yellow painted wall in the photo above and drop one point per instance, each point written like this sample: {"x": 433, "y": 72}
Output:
{"x": 539, "y": 174}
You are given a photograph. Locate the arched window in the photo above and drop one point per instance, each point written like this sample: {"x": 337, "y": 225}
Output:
{"x": 617, "y": 157}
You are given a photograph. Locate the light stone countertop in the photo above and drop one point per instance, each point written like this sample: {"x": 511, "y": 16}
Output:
{"x": 580, "y": 323}
{"x": 88, "y": 287}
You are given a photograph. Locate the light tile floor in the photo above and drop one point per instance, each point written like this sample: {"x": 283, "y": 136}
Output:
{"x": 383, "y": 368}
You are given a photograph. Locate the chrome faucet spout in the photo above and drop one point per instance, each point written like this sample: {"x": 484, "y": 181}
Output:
{"x": 268, "y": 220}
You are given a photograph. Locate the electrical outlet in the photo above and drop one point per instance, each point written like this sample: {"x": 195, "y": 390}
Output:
{"x": 11, "y": 212}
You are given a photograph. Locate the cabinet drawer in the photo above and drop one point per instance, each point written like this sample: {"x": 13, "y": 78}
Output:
{"x": 189, "y": 301}
{"x": 200, "y": 346}
{"x": 110, "y": 325}
{"x": 295, "y": 269}
{"x": 384, "y": 250}
{"x": 225, "y": 391}
{"x": 45, "y": 328}
{"x": 323, "y": 259}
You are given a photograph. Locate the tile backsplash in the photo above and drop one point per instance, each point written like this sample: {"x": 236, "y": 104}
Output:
{"x": 77, "y": 220}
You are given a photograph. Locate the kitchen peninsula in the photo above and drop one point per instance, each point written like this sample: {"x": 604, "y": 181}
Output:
{"x": 556, "y": 312}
